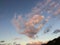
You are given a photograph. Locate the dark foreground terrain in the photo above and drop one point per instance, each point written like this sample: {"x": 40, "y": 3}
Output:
{"x": 55, "y": 41}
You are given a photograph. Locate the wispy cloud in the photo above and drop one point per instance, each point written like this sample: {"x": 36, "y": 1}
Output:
{"x": 56, "y": 31}
{"x": 35, "y": 43}
{"x": 17, "y": 38}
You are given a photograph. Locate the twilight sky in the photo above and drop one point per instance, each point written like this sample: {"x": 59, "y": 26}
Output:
{"x": 16, "y": 12}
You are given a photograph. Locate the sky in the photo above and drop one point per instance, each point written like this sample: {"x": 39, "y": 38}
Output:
{"x": 26, "y": 15}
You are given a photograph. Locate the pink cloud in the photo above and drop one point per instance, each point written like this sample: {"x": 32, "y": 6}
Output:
{"x": 27, "y": 26}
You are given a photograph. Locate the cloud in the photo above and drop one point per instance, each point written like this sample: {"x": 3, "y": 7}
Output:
{"x": 17, "y": 38}
{"x": 47, "y": 29}
{"x": 49, "y": 6}
{"x": 35, "y": 17}
{"x": 56, "y": 31}
{"x": 35, "y": 43}
{"x": 28, "y": 29}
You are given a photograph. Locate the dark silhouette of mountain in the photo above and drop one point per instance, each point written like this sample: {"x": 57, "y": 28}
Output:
{"x": 55, "y": 41}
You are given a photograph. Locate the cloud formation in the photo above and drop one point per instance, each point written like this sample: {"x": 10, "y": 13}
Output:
{"x": 29, "y": 28}
{"x": 35, "y": 17}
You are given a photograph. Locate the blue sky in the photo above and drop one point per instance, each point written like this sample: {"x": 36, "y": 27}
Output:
{"x": 8, "y": 9}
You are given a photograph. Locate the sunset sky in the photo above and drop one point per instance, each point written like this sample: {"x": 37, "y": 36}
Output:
{"x": 27, "y": 10}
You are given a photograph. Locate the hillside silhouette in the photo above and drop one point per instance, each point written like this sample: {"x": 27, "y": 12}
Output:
{"x": 55, "y": 41}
